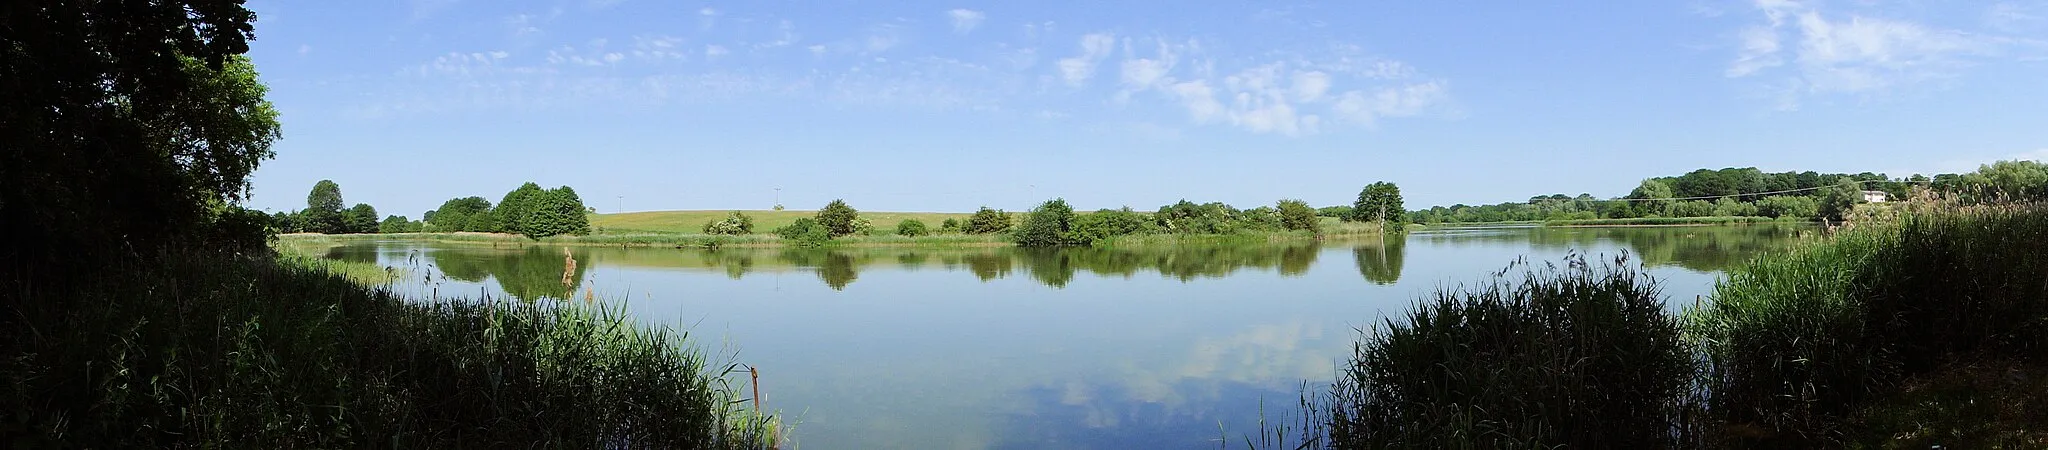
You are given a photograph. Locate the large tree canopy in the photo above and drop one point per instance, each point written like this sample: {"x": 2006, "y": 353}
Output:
{"x": 1380, "y": 200}
{"x": 121, "y": 121}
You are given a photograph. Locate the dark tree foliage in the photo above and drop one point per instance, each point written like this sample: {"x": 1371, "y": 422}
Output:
{"x": 838, "y": 219}
{"x": 537, "y": 213}
{"x": 1048, "y": 225}
{"x": 987, "y": 221}
{"x": 461, "y": 214}
{"x": 574, "y": 216}
{"x": 398, "y": 224}
{"x": 1380, "y": 200}
{"x": 112, "y": 133}
{"x": 515, "y": 206}
{"x": 324, "y": 209}
{"x": 359, "y": 219}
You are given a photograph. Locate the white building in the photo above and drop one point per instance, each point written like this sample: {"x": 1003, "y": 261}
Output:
{"x": 1875, "y": 196}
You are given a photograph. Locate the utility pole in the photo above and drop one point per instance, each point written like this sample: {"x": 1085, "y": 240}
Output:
{"x": 622, "y": 203}
{"x": 778, "y": 196}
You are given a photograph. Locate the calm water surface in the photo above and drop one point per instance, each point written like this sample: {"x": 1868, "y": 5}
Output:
{"x": 1076, "y": 348}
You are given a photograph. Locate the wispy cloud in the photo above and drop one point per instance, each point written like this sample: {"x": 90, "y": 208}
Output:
{"x": 1159, "y": 80}
{"x": 1298, "y": 95}
{"x": 1806, "y": 51}
{"x": 965, "y": 20}
{"x": 1094, "y": 47}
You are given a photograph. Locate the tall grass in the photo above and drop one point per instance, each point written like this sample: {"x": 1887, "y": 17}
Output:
{"x": 1579, "y": 356}
{"x": 202, "y": 349}
{"x": 1798, "y": 344}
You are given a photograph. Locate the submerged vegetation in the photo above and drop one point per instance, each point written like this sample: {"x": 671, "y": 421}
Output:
{"x": 1923, "y": 330}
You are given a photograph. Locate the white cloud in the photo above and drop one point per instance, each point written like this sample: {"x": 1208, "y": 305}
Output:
{"x": 1094, "y": 47}
{"x": 1405, "y": 101}
{"x": 1141, "y": 73}
{"x": 707, "y": 11}
{"x": 1310, "y": 86}
{"x": 965, "y": 20}
{"x": 1827, "y": 53}
{"x": 2016, "y": 17}
{"x": 714, "y": 51}
{"x": 305, "y": 48}
{"x": 817, "y": 50}
{"x": 1200, "y": 101}
{"x": 613, "y": 58}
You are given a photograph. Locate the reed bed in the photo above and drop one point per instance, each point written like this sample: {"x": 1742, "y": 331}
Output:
{"x": 1798, "y": 346}
{"x": 1577, "y": 356}
{"x": 1928, "y": 328}
{"x": 205, "y": 349}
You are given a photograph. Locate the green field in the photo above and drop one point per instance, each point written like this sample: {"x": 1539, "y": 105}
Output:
{"x": 764, "y": 221}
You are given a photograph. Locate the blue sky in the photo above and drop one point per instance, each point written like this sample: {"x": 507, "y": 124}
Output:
{"x": 947, "y": 106}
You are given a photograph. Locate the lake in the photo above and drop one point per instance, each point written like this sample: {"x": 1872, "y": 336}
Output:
{"x": 976, "y": 348}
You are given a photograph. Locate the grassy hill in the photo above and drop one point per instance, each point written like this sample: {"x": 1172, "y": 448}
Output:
{"x": 764, "y": 221}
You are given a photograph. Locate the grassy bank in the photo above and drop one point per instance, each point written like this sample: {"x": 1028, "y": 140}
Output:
{"x": 1331, "y": 229}
{"x": 1669, "y": 221}
{"x": 1927, "y": 330}
{"x": 196, "y": 348}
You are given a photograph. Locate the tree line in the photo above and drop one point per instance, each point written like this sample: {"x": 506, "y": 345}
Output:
{"x": 1055, "y": 223}
{"x": 1751, "y": 192}
{"x": 528, "y": 211}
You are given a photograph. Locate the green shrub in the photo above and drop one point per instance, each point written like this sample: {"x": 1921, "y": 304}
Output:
{"x": 1189, "y": 218}
{"x": 1263, "y": 218}
{"x": 987, "y": 221}
{"x": 1048, "y": 225}
{"x": 1297, "y": 215}
{"x": 912, "y": 228}
{"x": 864, "y": 227}
{"x": 1341, "y": 212}
{"x": 1788, "y": 206}
{"x": 1730, "y": 207}
{"x": 950, "y": 225}
{"x": 736, "y": 223}
{"x": 1694, "y": 208}
{"x": 1572, "y": 357}
{"x": 838, "y": 219}
{"x": 805, "y": 232}
{"x": 1102, "y": 225}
